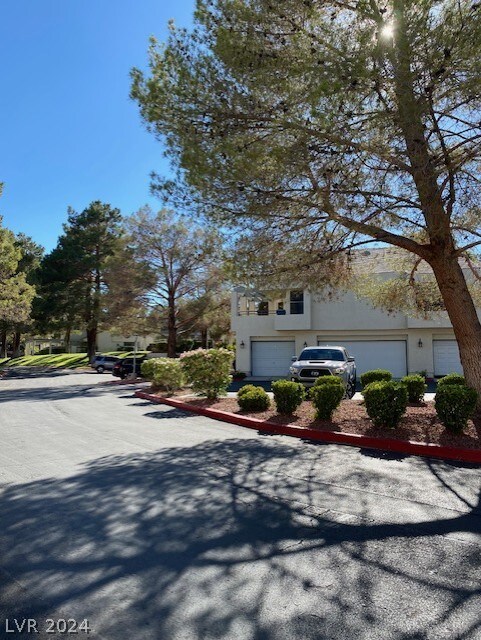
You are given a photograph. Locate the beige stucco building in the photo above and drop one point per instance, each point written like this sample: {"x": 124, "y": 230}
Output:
{"x": 106, "y": 341}
{"x": 269, "y": 332}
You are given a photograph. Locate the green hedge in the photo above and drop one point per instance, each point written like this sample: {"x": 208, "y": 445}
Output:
{"x": 165, "y": 373}
{"x": 288, "y": 395}
{"x": 376, "y": 375}
{"x": 327, "y": 396}
{"x": 208, "y": 370}
{"x": 255, "y": 399}
{"x": 452, "y": 378}
{"x": 385, "y": 402}
{"x": 416, "y": 387}
{"x": 245, "y": 389}
{"x": 455, "y": 404}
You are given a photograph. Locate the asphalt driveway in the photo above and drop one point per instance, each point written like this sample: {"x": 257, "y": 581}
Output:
{"x": 157, "y": 525}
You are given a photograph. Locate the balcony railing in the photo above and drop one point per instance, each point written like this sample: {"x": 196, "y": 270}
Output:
{"x": 248, "y": 312}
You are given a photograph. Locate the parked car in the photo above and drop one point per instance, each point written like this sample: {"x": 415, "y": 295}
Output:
{"x": 324, "y": 361}
{"x": 125, "y": 366}
{"x": 103, "y": 363}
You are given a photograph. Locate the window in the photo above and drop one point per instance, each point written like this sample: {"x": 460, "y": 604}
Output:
{"x": 297, "y": 302}
{"x": 322, "y": 354}
{"x": 263, "y": 308}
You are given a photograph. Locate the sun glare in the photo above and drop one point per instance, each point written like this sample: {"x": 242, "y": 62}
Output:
{"x": 387, "y": 31}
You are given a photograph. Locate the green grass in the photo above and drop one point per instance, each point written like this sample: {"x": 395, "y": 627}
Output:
{"x": 61, "y": 361}
{"x": 123, "y": 354}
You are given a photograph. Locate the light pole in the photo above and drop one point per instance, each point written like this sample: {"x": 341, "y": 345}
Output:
{"x": 134, "y": 372}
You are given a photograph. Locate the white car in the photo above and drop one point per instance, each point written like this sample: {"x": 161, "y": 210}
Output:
{"x": 315, "y": 362}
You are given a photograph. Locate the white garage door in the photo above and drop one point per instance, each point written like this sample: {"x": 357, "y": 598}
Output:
{"x": 446, "y": 357}
{"x": 272, "y": 359}
{"x": 378, "y": 354}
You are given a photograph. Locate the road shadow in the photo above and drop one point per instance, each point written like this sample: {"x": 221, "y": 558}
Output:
{"x": 241, "y": 540}
{"x": 61, "y": 392}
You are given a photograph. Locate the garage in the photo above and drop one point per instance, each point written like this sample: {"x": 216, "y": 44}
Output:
{"x": 377, "y": 354}
{"x": 446, "y": 357}
{"x": 272, "y": 358}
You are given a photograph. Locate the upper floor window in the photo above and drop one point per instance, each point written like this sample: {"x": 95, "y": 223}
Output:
{"x": 263, "y": 308}
{"x": 297, "y": 302}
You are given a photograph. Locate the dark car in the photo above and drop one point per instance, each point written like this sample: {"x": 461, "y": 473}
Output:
{"x": 103, "y": 363}
{"x": 125, "y": 366}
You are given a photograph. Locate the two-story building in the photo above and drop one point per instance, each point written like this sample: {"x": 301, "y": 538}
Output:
{"x": 270, "y": 330}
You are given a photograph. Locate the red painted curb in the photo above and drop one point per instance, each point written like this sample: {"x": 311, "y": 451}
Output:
{"x": 407, "y": 447}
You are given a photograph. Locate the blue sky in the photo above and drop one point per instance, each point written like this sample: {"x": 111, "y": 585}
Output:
{"x": 69, "y": 133}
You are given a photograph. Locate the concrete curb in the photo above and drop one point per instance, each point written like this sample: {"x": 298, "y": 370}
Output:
{"x": 407, "y": 447}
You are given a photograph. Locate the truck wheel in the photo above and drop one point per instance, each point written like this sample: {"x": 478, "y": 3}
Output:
{"x": 100, "y": 369}
{"x": 350, "y": 389}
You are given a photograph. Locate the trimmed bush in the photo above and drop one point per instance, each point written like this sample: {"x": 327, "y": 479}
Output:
{"x": 327, "y": 396}
{"x": 415, "y": 386}
{"x": 328, "y": 380}
{"x": 255, "y": 399}
{"x": 323, "y": 380}
{"x": 208, "y": 370}
{"x": 165, "y": 373}
{"x": 376, "y": 375}
{"x": 246, "y": 388}
{"x": 147, "y": 369}
{"x": 385, "y": 402}
{"x": 288, "y": 395}
{"x": 455, "y": 404}
{"x": 452, "y": 378}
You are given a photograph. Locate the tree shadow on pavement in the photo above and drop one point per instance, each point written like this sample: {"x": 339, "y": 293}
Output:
{"x": 248, "y": 540}
{"x": 51, "y": 393}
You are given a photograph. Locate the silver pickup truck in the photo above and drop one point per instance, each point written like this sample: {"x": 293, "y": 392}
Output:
{"x": 324, "y": 361}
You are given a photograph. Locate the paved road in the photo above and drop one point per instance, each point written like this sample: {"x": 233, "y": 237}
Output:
{"x": 157, "y": 525}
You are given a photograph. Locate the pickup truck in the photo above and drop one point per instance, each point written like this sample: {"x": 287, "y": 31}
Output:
{"x": 324, "y": 361}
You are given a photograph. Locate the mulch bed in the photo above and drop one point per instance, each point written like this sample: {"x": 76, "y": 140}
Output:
{"x": 420, "y": 424}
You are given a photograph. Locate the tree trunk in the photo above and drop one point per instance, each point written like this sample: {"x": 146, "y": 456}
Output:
{"x": 171, "y": 329}
{"x": 3, "y": 343}
{"x": 204, "y": 336}
{"x": 91, "y": 341}
{"x": 462, "y": 314}
{"x": 66, "y": 339}
{"x": 17, "y": 337}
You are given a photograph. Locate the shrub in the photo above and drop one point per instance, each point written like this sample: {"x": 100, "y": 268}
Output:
{"x": 327, "y": 396}
{"x": 246, "y": 388}
{"x": 385, "y": 402}
{"x": 327, "y": 380}
{"x": 416, "y": 387}
{"x": 452, "y": 378}
{"x": 324, "y": 380}
{"x": 147, "y": 369}
{"x": 455, "y": 404}
{"x": 255, "y": 399}
{"x": 288, "y": 395}
{"x": 376, "y": 375}
{"x": 165, "y": 373}
{"x": 208, "y": 370}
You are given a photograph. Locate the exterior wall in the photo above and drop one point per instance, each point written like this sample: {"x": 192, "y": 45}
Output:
{"x": 105, "y": 342}
{"x": 345, "y": 318}
{"x": 351, "y": 314}
{"x": 110, "y": 342}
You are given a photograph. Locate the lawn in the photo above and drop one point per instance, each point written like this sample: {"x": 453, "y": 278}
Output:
{"x": 60, "y": 361}
{"x": 123, "y": 354}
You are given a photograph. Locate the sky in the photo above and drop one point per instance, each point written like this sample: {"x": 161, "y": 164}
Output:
{"x": 69, "y": 133}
